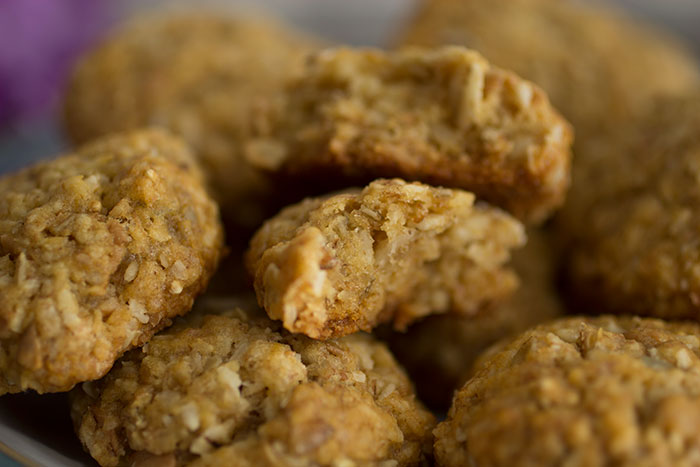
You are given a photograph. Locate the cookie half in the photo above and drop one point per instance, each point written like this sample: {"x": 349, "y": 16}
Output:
{"x": 394, "y": 251}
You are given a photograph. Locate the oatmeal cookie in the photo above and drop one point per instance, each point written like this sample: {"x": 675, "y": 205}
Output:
{"x": 581, "y": 391}
{"x": 394, "y": 251}
{"x": 443, "y": 116}
{"x": 639, "y": 252}
{"x": 209, "y": 78}
{"x": 233, "y": 388}
{"x": 597, "y": 66}
{"x": 439, "y": 352}
{"x": 99, "y": 250}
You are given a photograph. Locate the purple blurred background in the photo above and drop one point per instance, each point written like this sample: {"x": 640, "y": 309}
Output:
{"x": 39, "y": 39}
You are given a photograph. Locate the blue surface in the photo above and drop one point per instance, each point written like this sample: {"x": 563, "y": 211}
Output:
{"x": 7, "y": 462}
{"x": 20, "y": 146}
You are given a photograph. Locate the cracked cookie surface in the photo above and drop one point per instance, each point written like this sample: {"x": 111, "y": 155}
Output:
{"x": 581, "y": 391}
{"x": 98, "y": 250}
{"x": 233, "y": 388}
{"x": 395, "y": 251}
{"x": 442, "y": 116}
{"x": 209, "y": 78}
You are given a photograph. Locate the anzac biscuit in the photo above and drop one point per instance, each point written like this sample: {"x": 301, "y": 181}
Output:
{"x": 581, "y": 391}
{"x": 639, "y": 251}
{"x": 98, "y": 251}
{"x": 394, "y": 251}
{"x": 233, "y": 388}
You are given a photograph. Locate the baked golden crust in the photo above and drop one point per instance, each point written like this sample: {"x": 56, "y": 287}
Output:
{"x": 443, "y": 116}
{"x": 98, "y": 250}
{"x": 394, "y": 251}
{"x": 212, "y": 79}
{"x": 597, "y": 66}
{"x": 438, "y": 353}
{"x": 232, "y": 388}
{"x": 581, "y": 391}
{"x": 639, "y": 251}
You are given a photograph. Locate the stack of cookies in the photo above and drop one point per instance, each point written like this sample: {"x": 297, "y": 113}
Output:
{"x": 341, "y": 202}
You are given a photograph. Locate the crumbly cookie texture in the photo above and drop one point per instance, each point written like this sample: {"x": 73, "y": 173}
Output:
{"x": 597, "y": 66}
{"x": 99, "y": 250}
{"x": 581, "y": 391}
{"x": 394, "y": 251}
{"x": 443, "y": 116}
{"x": 233, "y": 388}
{"x": 639, "y": 253}
{"x": 209, "y": 78}
{"x": 439, "y": 352}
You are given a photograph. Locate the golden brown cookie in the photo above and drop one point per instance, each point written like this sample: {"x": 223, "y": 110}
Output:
{"x": 233, "y": 388}
{"x": 394, "y": 251}
{"x": 584, "y": 392}
{"x": 98, "y": 251}
{"x": 208, "y": 77}
{"x": 443, "y": 116}
{"x": 597, "y": 66}
{"x": 639, "y": 252}
{"x": 439, "y": 352}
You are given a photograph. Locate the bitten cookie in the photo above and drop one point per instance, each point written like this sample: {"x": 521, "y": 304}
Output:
{"x": 98, "y": 250}
{"x": 210, "y": 78}
{"x": 581, "y": 391}
{"x": 443, "y": 116}
{"x": 394, "y": 251}
{"x": 232, "y": 388}
{"x": 439, "y": 352}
